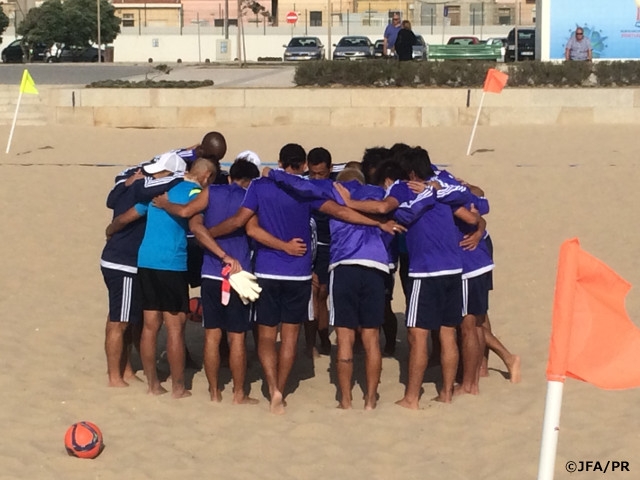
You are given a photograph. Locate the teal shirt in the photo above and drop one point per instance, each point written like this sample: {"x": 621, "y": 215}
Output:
{"x": 164, "y": 246}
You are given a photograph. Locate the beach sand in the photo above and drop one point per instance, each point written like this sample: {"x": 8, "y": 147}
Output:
{"x": 545, "y": 185}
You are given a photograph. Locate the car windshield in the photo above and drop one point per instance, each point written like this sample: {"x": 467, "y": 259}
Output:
{"x": 353, "y": 42}
{"x": 303, "y": 42}
{"x": 419, "y": 40}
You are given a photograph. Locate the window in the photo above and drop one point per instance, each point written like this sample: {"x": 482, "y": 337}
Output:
{"x": 454, "y": 14}
{"x": 315, "y": 19}
{"x": 505, "y": 16}
{"x": 476, "y": 14}
{"x": 428, "y": 14}
{"x": 128, "y": 20}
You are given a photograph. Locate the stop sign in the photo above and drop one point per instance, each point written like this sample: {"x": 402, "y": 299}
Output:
{"x": 292, "y": 17}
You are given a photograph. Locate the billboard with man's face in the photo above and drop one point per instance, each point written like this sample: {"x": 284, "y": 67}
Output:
{"x": 612, "y": 26}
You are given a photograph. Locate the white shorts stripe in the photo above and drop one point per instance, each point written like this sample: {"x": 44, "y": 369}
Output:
{"x": 332, "y": 313}
{"x": 412, "y": 311}
{"x": 465, "y": 296}
{"x": 127, "y": 291}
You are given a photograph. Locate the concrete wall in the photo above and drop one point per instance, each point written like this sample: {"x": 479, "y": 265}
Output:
{"x": 349, "y": 108}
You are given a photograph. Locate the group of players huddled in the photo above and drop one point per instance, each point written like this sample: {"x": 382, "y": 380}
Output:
{"x": 309, "y": 243}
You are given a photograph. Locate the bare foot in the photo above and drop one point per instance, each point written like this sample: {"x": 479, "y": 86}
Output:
{"x": 514, "y": 369}
{"x": 158, "y": 390}
{"x": 371, "y": 403}
{"x": 406, "y": 403}
{"x": 461, "y": 390}
{"x": 117, "y": 383}
{"x": 244, "y": 400}
{"x": 180, "y": 393}
{"x": 132, "y": 377}
{"x": 216, "y": 395}
{"x": 276, "y": 406}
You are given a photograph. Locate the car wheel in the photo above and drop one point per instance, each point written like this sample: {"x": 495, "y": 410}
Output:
{"x": 49, "y": 60}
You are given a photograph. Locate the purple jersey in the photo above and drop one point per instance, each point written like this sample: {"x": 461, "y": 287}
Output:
{"x": 432, "y": 237}
{"x": 285, "y": 216}
{"x": 224, "y": 201}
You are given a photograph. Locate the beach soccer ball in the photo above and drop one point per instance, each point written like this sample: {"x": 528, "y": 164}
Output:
{"x": 195, "y": 309}
{"x": 83, "y": 440}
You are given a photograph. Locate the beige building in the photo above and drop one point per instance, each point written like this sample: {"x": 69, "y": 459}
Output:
{"x": 151, "y": 13}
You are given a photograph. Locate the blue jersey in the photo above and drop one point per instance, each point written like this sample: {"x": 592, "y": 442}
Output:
{"x": 432, "y": 236}
{"x": 121, "y": 250}
{"x": 478, "y": 261}
{"x": 285, "y": 216}
{"x": 224, "y": 201}
{"x": 164, "y": 246}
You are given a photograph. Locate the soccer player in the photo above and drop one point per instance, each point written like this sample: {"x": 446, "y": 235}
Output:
{"x": 285, "y": 280}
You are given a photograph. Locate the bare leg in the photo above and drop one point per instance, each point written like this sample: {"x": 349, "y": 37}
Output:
{"x": 238, "y": 365}
{"x": 344, "y": 361}
{"x": 269, "y": 360}
{"x": 511, "y": 361}
{"x": 373, "y": 365}
{"x": 449, "y": 357}
{"x": 322, "y": 314}
{"x": 114, "y": 347}
{"x": 211, "y": 361}
{"x": 484, "y": 365}
{"x": 482, "y": 345}
{"x": 148, "y": 342}
{"x": 289, "y": 336}
{"x": 417, "y": 338}
{"x": 175, "y": 323}
{"x": 471, "y": 354}
{"x": 131, "y": 339}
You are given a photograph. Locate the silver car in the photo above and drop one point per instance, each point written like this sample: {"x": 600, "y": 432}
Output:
{"x": 419, "y": 49}
{"x": 353, "y": 48}
{"x": 304, "y": 48}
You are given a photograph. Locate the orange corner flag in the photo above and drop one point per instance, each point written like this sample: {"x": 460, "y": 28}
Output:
{"x": 495, "y": 81}
{"x": 592, "y": 337}
{"x": 28, "y": 85}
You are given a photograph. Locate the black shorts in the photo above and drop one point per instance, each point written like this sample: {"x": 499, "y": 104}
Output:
{"x": 435, "y": 302}
{"x": 124, "y": 296}
{"x": 233, "y": 317}
{"x": 195, "y": 255}
{"x": 475, "y": 294}
{"x": 282, "y": 301}
{"x": 321, "y": 265}
{"x": 164, "y": 290}
{"x": 389, "y": 284}
{"x": 489, "y": 244}
{"x": 356, "y": 297}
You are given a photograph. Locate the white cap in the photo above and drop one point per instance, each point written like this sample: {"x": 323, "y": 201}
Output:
{"x": 249, "y": 156}
{"x": 169, "y": 161}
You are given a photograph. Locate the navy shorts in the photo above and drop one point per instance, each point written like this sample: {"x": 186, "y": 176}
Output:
{"x": 282, "y": 301}
{"x": 356, "y": 297}
{"x": 489, "y": 243}
{"x": 321, "y": 265}
{"x": 124, "y": 296}
{"x": 389, "y": 284}
{"x": 435, "y": 302}
{"x": 164, "y": 290}
{"x": 475, "y": 294}
{"x": 233, "y": 317}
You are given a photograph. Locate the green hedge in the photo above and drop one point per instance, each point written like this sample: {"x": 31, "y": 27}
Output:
{"x": 458, "y": 73}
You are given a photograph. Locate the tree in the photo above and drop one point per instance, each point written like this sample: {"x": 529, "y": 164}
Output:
{"x": 4, "y": 22}
{"x": 73, "y": 22}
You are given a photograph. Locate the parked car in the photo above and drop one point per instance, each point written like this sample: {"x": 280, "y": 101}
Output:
{"x": 76, "y": 54}
{"x": 420, "y": 49}
{"x": 304, "y": 48}
{"x": 463, "y": 41}
{"x": 14, "y": 53}
{"x": 353, "y": 48}
{"x": 378, "y": 48}
{"x": 502, "y": 41}
{"x": 526, "y": 44}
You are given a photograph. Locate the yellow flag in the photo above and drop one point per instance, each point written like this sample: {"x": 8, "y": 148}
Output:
{"x": 28, "y": 85}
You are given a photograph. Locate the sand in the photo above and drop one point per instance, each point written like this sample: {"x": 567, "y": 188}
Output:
{"x": 545, "y": 185}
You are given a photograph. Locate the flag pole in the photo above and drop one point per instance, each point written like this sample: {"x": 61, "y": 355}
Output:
{"x": 550, "y": 429}
{"x": 15, "y": 118}
{"x": 475, "y": 124}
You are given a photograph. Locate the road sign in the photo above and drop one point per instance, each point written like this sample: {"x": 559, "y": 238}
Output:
{"x": 446, "y": 11}
{"x": 292, "y": 17}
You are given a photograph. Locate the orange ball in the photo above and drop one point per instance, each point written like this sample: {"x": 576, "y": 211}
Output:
{"x": 195, "y": 309}
{"x": 83, "y": 440}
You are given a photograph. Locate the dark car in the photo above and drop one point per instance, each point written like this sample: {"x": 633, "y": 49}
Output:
{"x": 304, "y": 48}
{"x": 15, "y": 52}
{"x": 419, "y": 49}
{"x": 76, "y": 54}
{"x": 378, "y": 49}
{"x": 353, "y": 48}
{"x": 526, "y": 44}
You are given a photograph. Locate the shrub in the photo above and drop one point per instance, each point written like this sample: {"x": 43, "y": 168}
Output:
{"x": 151, "y": 84}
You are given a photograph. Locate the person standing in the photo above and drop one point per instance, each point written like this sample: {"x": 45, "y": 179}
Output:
{"x": 578, "y": 47}
{"x": 405, "y": 41}
{"x": 390, "y": 35}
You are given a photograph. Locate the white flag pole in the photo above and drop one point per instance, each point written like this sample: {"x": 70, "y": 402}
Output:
{"x": 475, "y": 124}
{"x": 550, "y": 429}
{"x": 15, "y": 118}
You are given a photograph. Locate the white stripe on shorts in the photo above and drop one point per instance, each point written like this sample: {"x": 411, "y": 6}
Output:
{"x": 465, "y": 296}
{"x": 127, "y": 291}
{"x": 332, "y": 313}
{"x": 412, "y": 311}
